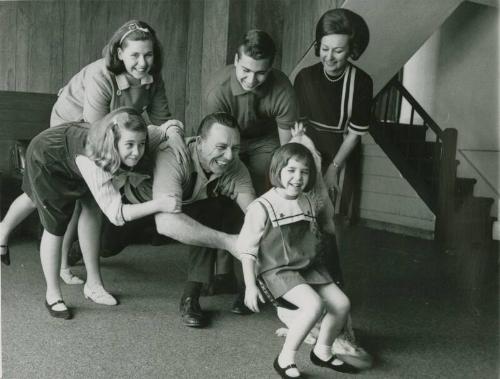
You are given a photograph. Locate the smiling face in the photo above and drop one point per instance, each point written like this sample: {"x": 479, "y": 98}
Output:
{"x": 131, "y": 146}
{"x": 137, "y": 57}
{"x": 293, "y": 178}
{"x": 250, "y": 72}
{"x": 218, "y": 148}
{"x": 334, "y": 52}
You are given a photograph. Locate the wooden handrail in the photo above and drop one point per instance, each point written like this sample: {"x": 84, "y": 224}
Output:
{"x": 439, "y": 193}
{"x": 421, "y": 111}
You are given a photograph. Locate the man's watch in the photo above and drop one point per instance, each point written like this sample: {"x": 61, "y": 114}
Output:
{"x": 335, "y": 164}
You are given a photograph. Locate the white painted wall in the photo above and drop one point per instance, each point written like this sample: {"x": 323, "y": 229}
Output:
{"x": 466, "y": 93}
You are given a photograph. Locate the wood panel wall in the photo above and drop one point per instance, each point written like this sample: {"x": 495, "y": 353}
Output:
{"x": 44, "y": 43}
{"x": 299, "y": 27}
{"x": 267, "y": 15}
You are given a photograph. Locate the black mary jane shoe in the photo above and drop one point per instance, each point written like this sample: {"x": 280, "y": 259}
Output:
{"x": 344, "y": 367}
{"x": 66, "y": 314}
{"x": 5, "y": 258}
{"x": 282, "y": 370}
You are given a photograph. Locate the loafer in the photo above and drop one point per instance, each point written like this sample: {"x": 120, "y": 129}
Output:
{"x": 5, "y": 258}
{"x": 282, "y": 370}
{"x": 66, "y": 314}
{"x": 344, "y": 367}
{"x": 239, "y": 306}
{"x": 191, "y": 313}
{"x": 98, "y": 295}
{"x": 68, "y": 277}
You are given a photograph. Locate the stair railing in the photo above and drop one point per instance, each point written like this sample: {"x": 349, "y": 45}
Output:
{"x": 434, "y": 181}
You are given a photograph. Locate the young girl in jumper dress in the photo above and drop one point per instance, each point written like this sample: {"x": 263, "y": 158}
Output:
{"x": 68, "y": 163}
{"x": 278, "y": 245}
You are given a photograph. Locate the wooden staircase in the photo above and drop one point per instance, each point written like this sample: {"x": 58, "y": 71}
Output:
{"x": 425, "y": 156}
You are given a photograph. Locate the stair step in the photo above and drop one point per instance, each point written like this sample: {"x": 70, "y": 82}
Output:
{"x": 420, "y": 149}
{"x": 474, "y": 208}
{"x": 464, "y": 188}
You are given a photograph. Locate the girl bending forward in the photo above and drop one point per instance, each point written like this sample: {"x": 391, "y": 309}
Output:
{"x": 278, "y": 246}
{"x": 68, "y": 163}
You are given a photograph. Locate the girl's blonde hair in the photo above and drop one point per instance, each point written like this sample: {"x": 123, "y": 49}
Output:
{"x": 102, "y": 140}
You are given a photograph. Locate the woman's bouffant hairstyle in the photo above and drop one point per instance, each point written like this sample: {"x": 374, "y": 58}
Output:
{"x": 257, "y": 44}
{"x": 133, "y": 30}
{"x": 281, "y": 157}
{"x": 103, "y": 136}
{"x": 343, "y": 21}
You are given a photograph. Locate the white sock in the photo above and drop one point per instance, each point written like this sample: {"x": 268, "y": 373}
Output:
{"x": 323, "y": 352}
{"x": 286, "y": 358}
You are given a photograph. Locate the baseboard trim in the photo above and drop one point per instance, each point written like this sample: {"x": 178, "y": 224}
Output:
{"x": 399, "y": 229}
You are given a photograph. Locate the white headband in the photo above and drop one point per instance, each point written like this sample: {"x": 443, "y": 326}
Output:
{"x": 132, "y": 28}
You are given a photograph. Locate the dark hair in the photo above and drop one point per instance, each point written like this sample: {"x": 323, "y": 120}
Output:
{"x": 220, "y": 118}
{"x": 132, "y": 32}
{"x": 343, "y": 21}
{"x": 104, "y": 134}
{"x": 257, "y": 44}
{"x": 281, "y": 157}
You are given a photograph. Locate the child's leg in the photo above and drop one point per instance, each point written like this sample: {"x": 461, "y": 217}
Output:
{"x": 50, "y": 246}
{"x": 20, "y": 208}
{"x": 337, "y": 306}
{"x": 89, "y": 233}
{"x": 310, "y": 307}
{"x": 69, "y": 237}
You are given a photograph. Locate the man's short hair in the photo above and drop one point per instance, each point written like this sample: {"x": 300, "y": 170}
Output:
{"x": 216, "y": 118}
{"x": 257, "y": 44}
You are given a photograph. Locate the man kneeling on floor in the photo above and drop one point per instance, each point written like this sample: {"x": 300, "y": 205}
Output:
{"x": 210, "y": 185}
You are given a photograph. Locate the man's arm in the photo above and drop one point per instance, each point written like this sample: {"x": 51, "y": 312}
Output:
{"x": 185, "y": 229}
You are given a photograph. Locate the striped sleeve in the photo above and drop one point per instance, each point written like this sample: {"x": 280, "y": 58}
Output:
{"x": 362, "y": 101}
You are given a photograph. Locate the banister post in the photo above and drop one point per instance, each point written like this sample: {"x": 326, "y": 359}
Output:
{"x": 446, "y": 188}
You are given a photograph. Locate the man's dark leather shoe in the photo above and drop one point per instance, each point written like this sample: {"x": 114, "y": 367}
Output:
{"x": 191, "y": 313}
{"x": 239, "y": 306}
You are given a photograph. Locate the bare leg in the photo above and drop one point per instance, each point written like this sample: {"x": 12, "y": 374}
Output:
{"x": 20, "y": 208}
{"x": 50, "y": 246}
{"x": 89, "y": 233}
{"x": 69, "y": 237}
{"x": 337, "y": 306}
{"x": 310, "y": 308}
